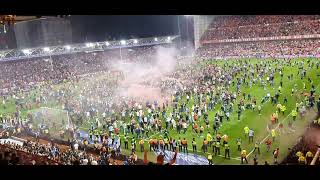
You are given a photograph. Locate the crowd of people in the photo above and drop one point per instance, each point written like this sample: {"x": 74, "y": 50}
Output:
{"x": 241, "y": 27}
{"x": 148, "y": 119}
{"x": 87, "y": 86}
{"x": 307, "y": 47}
{"x": 237, "y": 20}
{"x": 29, "y": 73}
{"x": 51, "y": 153}
{"x": 32, "y": 84}
{"x": 244, "y": 27}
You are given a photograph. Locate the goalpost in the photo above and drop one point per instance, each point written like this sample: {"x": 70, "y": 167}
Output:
{"x": 52, "y": 118}
{"x": 58, "y": 114}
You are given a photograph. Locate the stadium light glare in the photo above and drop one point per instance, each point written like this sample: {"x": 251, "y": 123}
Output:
{"x": 123, "y": 42}
{"x": 107, "y": 43}
{"x": 89, "y": 44}
{"x": 169, "y": 38}
{"x": 46, "y": 49}
{"x": 155, "y": 39}
{"x": 26, "y": 51}
{"x": 135, "y": 41}
{"x": 67, "y": 47}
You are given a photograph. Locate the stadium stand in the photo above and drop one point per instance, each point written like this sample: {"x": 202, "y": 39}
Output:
{"x": 32, "y": 73}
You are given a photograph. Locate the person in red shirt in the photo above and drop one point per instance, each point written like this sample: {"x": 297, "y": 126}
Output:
{"x": 275, "y": 155}
{"x": 195, "y": 117}
{"x": 268, "y": 143}
{"x": 116, "y": 131}
{"x": 195, "y": 128}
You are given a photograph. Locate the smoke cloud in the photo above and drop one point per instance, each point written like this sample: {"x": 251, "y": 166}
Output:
{"x": 142, "y": 80}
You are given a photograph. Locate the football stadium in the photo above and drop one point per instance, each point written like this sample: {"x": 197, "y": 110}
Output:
{"x": 217, "y": 90}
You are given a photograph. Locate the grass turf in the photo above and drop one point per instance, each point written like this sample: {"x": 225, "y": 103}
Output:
{"x": 234, "y": 128}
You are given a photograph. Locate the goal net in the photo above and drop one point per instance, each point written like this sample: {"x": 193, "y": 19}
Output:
{"x": 55, "y": 120}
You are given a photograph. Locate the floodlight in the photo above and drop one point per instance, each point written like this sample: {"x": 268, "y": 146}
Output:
{"x": 123, "y": 42}
{"x": 46, "y": 49}
{"x": 107, "y": 43}
{"x": 26, "y": 51}
{"x": 89, "y": 44}
{"x": 135, "y": 41}
{"x": 155, "y": 39}
{"x": 169, "y": 38}
{"x": 67, "y": 47}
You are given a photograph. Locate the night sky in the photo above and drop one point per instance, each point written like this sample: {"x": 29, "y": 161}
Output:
{"x": 95, "y": 28}
{"x": 107, "y": 27}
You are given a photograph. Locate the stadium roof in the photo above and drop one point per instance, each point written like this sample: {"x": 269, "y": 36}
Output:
{"x": 28, "y": 18}
{"x": 25, "y": 18}
{"x": 16, "y": 54}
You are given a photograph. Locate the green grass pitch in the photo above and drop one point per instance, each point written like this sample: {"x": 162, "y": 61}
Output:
{"x": 234, "y": 128}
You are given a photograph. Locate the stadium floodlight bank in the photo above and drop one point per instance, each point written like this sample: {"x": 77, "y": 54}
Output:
{"x": 17, "y": 54}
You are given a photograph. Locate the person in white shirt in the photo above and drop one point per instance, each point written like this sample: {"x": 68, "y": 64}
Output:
{"x": 115, "y": 125}
{"x": 228, "y": 116}
{"x": 76, "y": 146}
{"x": 109, "y": 142}
{"x": 199, "y": 113}
{"x": 94, "y": 162}
{"x": 174, "y": 124}
{"x": 84, "y": 162}
{"x": 184, "y": 126}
